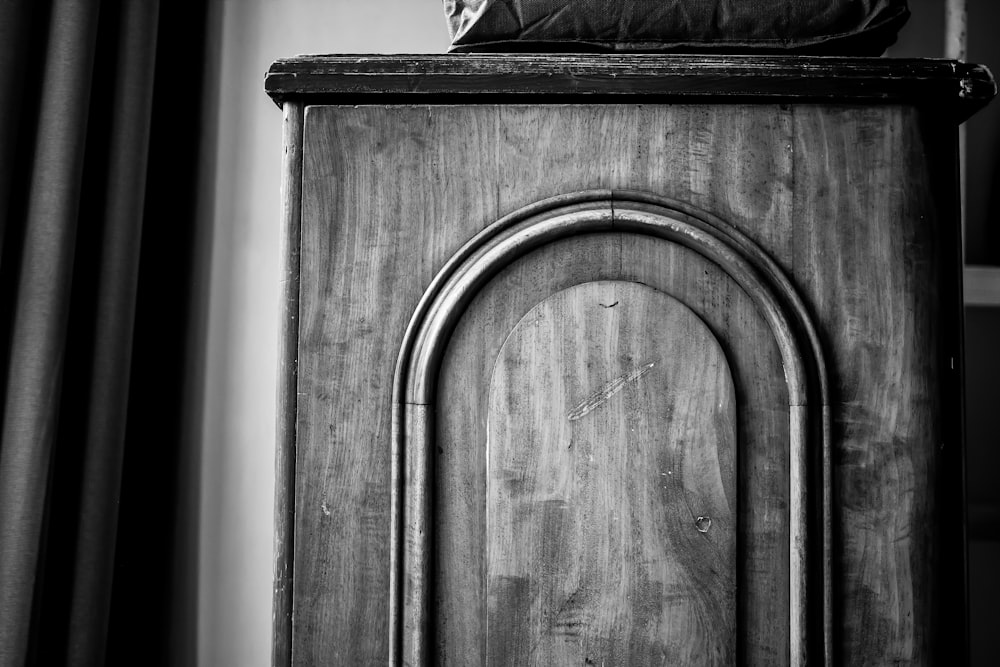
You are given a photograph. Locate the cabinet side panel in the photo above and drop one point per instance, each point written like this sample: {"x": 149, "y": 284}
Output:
{"x": 388, "y": 195}
{"x": 866, "y": 256}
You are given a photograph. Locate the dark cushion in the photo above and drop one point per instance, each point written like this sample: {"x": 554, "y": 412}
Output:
{"x": 843, "y": 27}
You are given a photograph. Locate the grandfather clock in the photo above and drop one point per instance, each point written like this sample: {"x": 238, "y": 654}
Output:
{"x": 621, "y": 360}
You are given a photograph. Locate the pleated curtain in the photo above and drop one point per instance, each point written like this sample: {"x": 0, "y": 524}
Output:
{"x": 76, "y": 88}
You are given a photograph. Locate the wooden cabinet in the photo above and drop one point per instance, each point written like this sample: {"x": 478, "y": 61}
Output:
{"x": 621, "y": 360}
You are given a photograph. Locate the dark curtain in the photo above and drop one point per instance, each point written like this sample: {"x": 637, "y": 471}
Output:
{"x": 98, "y": 147}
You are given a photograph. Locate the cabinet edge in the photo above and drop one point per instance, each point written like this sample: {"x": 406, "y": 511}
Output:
{"x": 287, "y": 394}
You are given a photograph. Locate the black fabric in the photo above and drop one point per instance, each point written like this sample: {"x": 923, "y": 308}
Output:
{"x": 831, "y": 27}
{"x": 99, "y": 138}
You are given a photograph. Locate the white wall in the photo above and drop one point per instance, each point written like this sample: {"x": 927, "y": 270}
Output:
{"x": 237, "y": 467}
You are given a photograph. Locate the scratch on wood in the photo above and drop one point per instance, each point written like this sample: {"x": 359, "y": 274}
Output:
{"x": 607, "y": 391}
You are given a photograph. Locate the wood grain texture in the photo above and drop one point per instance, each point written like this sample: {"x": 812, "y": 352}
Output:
{"x": 460, "y": 454}
{"x": 732, "y": 160}
{"x": 469, "y": 545}
{"x": 736, "y": 161}
{"x": 748, "y": 200}
{"x": 385, "y": 202}
{"x": 866, "y": 256}
{"x": 762, "y": 418}
{"x": 846, "y": 199}
{"x": 410, "y": 79}
{"x": 284, "y": 496}
{"x": 415, "y": 645}
{"x": 611, "y": 533}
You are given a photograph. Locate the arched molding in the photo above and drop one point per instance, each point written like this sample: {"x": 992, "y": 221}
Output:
{"x": 597, "y": 211}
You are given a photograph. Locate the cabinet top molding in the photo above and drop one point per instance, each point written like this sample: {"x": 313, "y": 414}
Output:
{"x": 537, "y": 78}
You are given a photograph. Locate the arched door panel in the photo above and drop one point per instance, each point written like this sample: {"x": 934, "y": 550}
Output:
{"x": 532, "y": 357}
{"x": 611, "y": 494}
{"x": 761, "y": 398}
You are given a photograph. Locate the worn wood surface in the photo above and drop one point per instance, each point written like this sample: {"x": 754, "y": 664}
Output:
{"x": 763, "y": 434}
{"x": 284, "y": 487}
{"x": 611, "y": 532}
{"x": 842, "y": 198}
{"x": 386, "y": 200}
{"x": 460, "y": 455}
{"x": 762, "y": 418}
{"x": 411, "y": 79}
{"x": 735, "y": 161}
{"x": 548, "y": 150}
{"x": 866, "y": 255}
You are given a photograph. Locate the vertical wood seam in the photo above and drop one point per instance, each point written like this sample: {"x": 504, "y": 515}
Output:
{"x": 284, "y": 495}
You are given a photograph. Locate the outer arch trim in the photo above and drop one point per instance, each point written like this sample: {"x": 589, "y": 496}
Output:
{"x": 478, "y": 261}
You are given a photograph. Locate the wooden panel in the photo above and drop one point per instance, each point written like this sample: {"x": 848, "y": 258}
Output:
{"x": 460, "y": 454}
{"x": 842, "y": 197}
{"x": 735, "y": 161}
{"x": 611, "y": 533}
{"x": 762, "y": 414}
{"x": 738, "y": 163}
{"x": 761, "y": 395}
{"x": 866, "y": 258}
{"x": 387, "y": 198}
